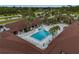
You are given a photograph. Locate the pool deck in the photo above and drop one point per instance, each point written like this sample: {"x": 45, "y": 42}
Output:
{"x": 27, "y": 36}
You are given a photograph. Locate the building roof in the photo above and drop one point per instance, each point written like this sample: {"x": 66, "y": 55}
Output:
{"x": 36, "y": 21}
{"x": 68, "y": 40}
{"x": 10, "y": 43}
{"x": 19, "y": 25}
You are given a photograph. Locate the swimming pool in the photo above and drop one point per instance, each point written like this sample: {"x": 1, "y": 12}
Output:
{"x": 40, "y": 35}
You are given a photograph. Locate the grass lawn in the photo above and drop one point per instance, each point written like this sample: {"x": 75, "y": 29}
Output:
{"x": 7, "y": 21}
{"x": 3, "y": 18}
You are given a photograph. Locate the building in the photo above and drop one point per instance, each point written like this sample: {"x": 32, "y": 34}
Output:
{"x": 66, "y": 42}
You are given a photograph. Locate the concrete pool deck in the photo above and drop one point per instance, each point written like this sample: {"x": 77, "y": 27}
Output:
{"x": 39, "y": 44}
{"x": 27, "y": 36}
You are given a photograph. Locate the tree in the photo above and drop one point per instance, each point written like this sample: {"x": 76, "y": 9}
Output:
{"x": 54, "y": 29}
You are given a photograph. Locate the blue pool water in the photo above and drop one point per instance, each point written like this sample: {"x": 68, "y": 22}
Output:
{"x": 41, "y": 34}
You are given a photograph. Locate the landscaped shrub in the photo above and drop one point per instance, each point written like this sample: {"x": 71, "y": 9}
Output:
{"x": 54, "y": 29}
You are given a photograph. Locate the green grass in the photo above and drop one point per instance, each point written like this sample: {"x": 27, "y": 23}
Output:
{"x": 12, "y": 15}
{"x": 2, "y": 19}
{"x": 7, "y": 21}
{"x": 76, "y": 13}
